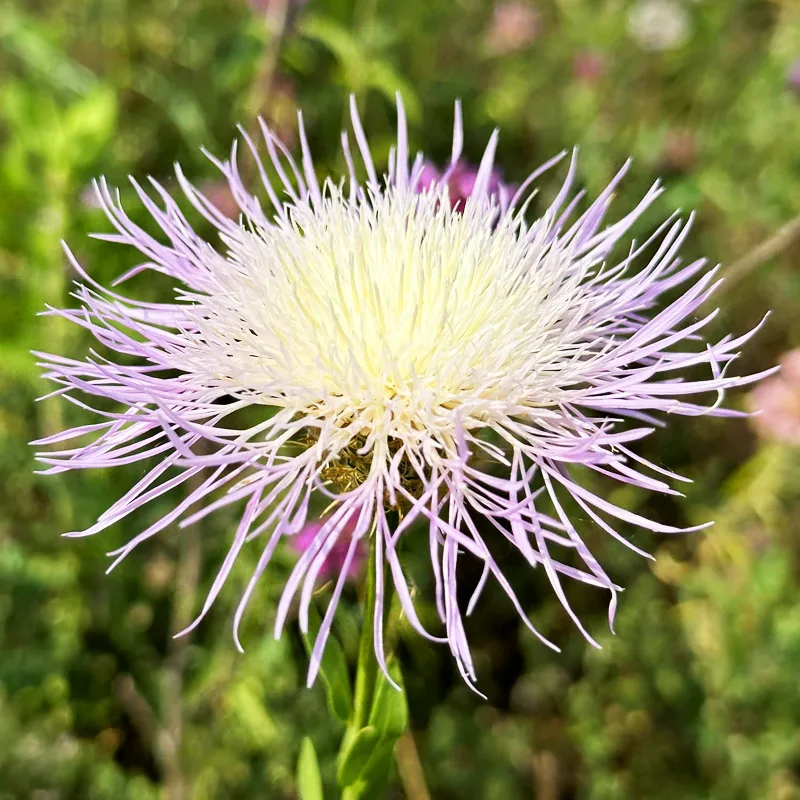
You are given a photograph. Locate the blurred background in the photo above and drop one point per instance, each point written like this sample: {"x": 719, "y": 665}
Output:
{"x": 697, "y": 696}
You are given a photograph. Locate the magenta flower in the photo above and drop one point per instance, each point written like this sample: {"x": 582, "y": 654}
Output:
{"x": 793, "y": 77}
{"x": 335, "y": 563}
{"x": 588, "y": 67}
{"x": 372, "y": 344}
{"x": 460, "y": 180}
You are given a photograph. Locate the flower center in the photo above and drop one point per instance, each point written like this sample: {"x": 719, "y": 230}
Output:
{"x": 351, "y": 467}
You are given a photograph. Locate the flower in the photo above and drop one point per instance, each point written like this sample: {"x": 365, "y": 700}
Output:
{"x": 778, "y": 402}
{"x": 514, "y": 25}
{"x": 219, "y": 194}
{"x": 372, "y": 344}
{"x": 793, "y": 77}
{"x": 588, "y": 67}
{"x": 460, "y": 180}
{"x": 659, "y": 24}
{"x": 335, "y": 562}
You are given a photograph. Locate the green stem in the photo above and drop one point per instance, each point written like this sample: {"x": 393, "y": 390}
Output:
{"x": 367, "y": 669}
{"x": 770, "y": 248}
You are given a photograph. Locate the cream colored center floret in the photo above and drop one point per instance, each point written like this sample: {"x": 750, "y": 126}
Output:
{"x": 396, "y": 306}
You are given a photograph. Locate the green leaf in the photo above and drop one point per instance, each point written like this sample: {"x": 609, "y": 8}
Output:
{"x": 363, "y": 66}
{"x": 345, "y": 47}
{"x": 181, "y": 107}
{"x": 333, "y": 669}
{"x": 375, "y": 774}
{"x": 88, "y": 124}
{"x": 355, "y": 755}
{"x": 384, "y": 78}
{"x": 26, "y": 38}
{"x": 365, "y": 762}
{"x": 389, "y": 712}
{"x": 256, "y": 725}
{"x": 309, "y": 780}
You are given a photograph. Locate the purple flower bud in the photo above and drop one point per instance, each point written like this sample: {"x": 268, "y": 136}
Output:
{"x": 793, "y": 77}
{"x": 336, "y": 559}
{"x": 461, "y": 179}
{"x": 428, "y": 177}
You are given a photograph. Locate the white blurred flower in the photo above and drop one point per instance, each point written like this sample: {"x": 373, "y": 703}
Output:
{"x": 659, "y": 24}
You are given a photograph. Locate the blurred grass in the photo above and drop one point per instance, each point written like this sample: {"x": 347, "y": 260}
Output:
{"x": 696, "y": 696}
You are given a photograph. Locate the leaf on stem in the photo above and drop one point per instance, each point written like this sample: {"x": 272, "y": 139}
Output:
{"x": 389, "y": 712}
{"x": 309, "y": 780}
{"x": 333, "y": 669}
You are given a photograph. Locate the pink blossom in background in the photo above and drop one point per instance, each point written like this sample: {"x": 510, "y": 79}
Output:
{"x": 428, "y": 177}
{"x": 337, "y": 558}
{"x": 588, "y": 67}
{"x": 793, "y": 77}
{"x": 778, "y": 400}
{"x": 460, "y": 179}
{"x": 680, "y": 149}
{"x": 219, "y": 194}
{"x": 514, "y": 25}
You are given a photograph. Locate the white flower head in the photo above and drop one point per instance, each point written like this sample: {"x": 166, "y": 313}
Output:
{"x": 659, "y": 24}
{"x": 395, "y": 351}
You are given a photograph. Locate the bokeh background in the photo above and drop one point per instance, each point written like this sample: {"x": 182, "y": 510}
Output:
{"x": 698, "y": 694}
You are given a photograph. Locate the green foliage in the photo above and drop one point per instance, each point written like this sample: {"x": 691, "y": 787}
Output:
{"x": 309, "y": 781}
{"x": 356, "y": 754}
{"x": 333, "y": 669}
{"x": 389, "y": 712}
{"x": 365, "y": 760}
{"x": 696, "y": 696}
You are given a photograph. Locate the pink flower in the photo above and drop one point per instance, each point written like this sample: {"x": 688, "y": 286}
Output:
{"x": 514, "y": 25}
{"x": 428, "y": 177}
{"x": 219, "y": 194}
{"x": 778, "y": 400}
{"x": 460, "y": 179}
{"x": 335, "y": 561}
{"x": 588, "y": 67}
{"x": 793, "y": 77}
